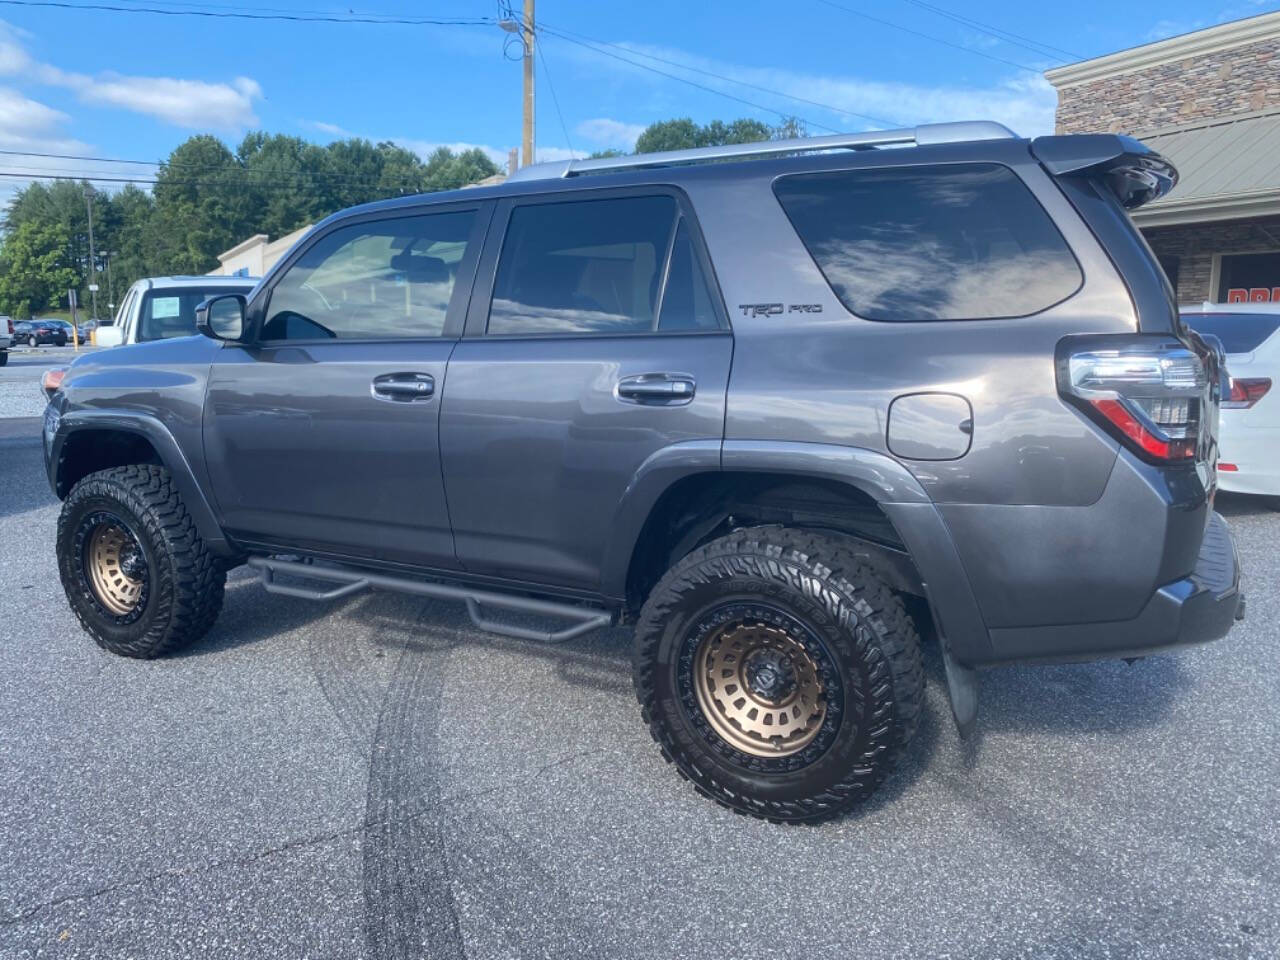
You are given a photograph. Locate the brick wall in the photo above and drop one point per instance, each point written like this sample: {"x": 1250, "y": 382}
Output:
{"x": 1238, "y": 80}
{"x": 1195, "y": 244}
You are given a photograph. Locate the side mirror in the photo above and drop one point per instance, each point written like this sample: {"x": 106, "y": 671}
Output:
{"x": 222, "y": 318}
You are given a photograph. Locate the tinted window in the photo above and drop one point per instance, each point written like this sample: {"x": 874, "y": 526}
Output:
{"x": 172, "y": 312}
{"x": 389, "y": 279}
{"x": 1239, "y": 332}
{"x": 591, "y": 266}
{"x": 956, "y": 242}
{"x": 686, "y": 301}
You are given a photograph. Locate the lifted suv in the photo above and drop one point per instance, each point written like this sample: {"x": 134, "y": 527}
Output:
{"x": 776, "y": 412}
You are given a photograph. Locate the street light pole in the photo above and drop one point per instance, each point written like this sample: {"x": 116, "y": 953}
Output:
{"x": 93, "y": 283}
{"x": 528, "y": 82}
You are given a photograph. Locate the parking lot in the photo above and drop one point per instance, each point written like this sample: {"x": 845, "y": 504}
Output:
{"x": 374, "y": 778}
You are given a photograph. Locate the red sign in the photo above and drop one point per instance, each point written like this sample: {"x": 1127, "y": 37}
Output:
{"x": 1253, "y": 295}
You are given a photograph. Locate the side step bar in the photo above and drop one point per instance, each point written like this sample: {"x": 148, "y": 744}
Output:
{"x": 352, "y": 581}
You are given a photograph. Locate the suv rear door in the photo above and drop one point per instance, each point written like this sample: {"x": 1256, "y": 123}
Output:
{"x": 595, "y": 339}
{"x": 321, "y": 433}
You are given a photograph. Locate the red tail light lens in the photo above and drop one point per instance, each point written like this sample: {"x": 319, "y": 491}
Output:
{"x": 51, "y": 380}
{"x": 1246, "y": 392}
{"x": 1149, "y": 396}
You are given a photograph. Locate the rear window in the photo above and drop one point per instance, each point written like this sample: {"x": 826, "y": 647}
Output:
{"x": 949, "y": 242}
{"x": 1239, "y": 332}
{"x": 172, "y": 313}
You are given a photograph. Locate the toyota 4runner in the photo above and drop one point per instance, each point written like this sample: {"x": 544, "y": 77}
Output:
{"x": 761, "y": 400}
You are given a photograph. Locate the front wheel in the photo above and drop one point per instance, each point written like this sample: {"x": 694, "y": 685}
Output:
{"x": 779, "y": 674}
{"x": 135, "y": 570}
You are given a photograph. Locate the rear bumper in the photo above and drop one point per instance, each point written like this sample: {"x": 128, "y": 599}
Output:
{"x": 1195, "y": 609}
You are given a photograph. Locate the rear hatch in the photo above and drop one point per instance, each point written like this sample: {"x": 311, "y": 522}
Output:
{"x": 1171, "y": 421}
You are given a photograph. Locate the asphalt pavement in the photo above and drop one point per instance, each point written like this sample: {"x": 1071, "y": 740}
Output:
{"x": 374, "y": 778}
{"x": 20, "y": 378}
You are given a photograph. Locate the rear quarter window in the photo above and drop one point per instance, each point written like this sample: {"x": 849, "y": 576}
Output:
{"x": 945, "y": 242}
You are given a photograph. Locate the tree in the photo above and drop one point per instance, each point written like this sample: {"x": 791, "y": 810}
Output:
{"x": 684, "y": 134}
{"x": 204, "y": 205}
{"x": 34, "y": 273}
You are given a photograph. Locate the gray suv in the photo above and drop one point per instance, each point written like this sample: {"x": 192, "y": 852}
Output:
{"x": 781, "y": 406}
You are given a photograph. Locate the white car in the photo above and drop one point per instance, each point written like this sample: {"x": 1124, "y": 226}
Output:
{"x": 157, "y": 308}
{"x": 1249, "y": 439}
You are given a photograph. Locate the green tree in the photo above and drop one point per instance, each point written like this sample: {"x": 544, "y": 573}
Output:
{"x": 34, "y": 273}
{"x": 684, "y": 134}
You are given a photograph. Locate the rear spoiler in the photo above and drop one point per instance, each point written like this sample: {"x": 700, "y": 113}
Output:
{"x": 1133, "y": 171}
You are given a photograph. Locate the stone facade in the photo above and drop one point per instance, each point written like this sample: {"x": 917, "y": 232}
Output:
{"x": 1236, "y": 80}
{"x": 1193, "y": 246}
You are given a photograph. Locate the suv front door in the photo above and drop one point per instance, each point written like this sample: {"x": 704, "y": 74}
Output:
{"x": 596, "y": 339}
{"x": 321, "y": 433}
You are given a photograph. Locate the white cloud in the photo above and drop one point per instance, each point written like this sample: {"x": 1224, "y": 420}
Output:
{"x": 607, "y": 132}
{"x": 35, "y": 128}
{"x": 184, "y": 103}
{"x": 332, "y": 129}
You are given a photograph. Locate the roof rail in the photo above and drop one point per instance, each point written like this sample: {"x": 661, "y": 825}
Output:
{"x": 927, "y": 133}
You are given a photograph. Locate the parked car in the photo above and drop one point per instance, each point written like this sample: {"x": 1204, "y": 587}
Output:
{"x": 160, "y": 308}
{"x": 36, "y": 332}
{"x": 84, "y": 330}
{"x": 1250, "y": 438}
{"x": 6, "y": 338}
{"x": 777, "y": 413}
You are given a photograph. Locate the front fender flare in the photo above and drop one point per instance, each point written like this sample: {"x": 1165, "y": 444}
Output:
{"x": 169, "y": 451}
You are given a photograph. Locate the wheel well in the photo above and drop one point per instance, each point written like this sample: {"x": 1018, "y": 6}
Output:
{"x": 88, "y": 451}
{"x": 705, "y": 506}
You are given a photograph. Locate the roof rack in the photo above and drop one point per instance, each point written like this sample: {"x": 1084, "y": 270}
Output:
{"x": 927, "y": 133}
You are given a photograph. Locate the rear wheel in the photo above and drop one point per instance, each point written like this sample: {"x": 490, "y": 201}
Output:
{"x": 33, "y": 341}
{"x": 779, "y": 674}
{"x": 134, "y": 568}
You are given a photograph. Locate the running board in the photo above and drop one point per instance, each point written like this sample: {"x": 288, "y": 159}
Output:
{"x": 351, "y": 581}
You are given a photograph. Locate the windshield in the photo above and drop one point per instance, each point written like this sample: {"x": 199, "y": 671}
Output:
{"x": 172, "y": 312}
{"x": 1239, "y": 332}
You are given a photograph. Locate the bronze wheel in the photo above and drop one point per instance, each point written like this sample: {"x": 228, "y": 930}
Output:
{"x": 778, "y": 673}
{"x": 135, "y": 571}
{"x": 115, "y": 566}
{"x": 759, "y": 688}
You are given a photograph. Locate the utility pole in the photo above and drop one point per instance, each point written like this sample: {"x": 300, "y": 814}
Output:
{"x": 111, "y": 290}
{"x": 93, "y": 280}
{"x": 528, "y": 82}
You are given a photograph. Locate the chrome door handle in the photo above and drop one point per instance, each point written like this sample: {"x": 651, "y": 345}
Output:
{"x": 404, "y": 387}
{"x": 657, "y": 388}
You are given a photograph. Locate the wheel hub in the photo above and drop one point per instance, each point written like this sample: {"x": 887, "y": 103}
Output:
{"x": 116, "y": 567}
{"x": 759, "y": 688}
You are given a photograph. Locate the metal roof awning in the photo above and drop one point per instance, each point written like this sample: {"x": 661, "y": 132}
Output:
{"x": 1228, "y": 168}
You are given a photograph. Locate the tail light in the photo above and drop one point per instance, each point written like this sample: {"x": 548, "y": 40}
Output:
{"x": 1148, "y": 395}
{"x": 51, "y": 380}
{"x": 1246, "y": 392}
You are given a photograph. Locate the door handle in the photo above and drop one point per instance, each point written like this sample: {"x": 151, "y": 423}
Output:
{"x": 666, "y": 389}
{"x": 404, "y": 387}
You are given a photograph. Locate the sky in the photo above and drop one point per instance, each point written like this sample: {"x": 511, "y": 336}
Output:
{"x": 126, "y": 84}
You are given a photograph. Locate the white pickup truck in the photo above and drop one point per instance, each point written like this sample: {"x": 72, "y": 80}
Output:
{"x": 157, "y": 308}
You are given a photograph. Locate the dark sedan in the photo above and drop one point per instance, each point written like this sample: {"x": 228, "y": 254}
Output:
{"x": 35, "y": 332}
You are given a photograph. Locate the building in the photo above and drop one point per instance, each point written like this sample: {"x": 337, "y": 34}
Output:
{"x": 1210, "y": 102}
{"x": 255, "y": 256}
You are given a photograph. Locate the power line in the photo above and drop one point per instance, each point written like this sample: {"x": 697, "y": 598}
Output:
{"x": 686, "y": 80}
{"x": 926, "y": 36}
{"x": 246, "y": 15}
{"x": 537, "y": 46}
{"x": 1007, "y": 36}
{"x": 583, "y": 40}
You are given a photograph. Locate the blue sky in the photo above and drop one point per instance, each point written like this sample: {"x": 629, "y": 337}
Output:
{"x": 134, "y": 85}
